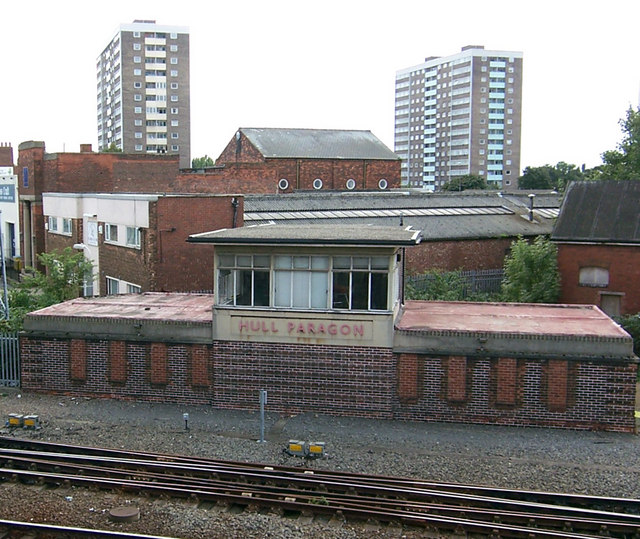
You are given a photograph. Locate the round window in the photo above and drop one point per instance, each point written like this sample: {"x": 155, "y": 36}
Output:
{"x": 383, "y": 184}
{"x": 283, "y": 184}
{"x": 317, "y": 183}
{"x": 351, "y": 184}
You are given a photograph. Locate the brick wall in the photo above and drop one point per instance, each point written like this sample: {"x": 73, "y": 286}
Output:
{"x": 465, "y": 255}
{"x": 622, "y": 263}
{"x": 353, "y": 381}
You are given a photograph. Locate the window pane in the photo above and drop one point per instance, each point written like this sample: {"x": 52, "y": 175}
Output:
{"x": 261, "y": 288}
{"x": 320, "y": 262}
{"x": 282, "y": 262}
{"x": 261, "y": 261}
{"x": 225, "y": 287}
{"x": 342, "y": 262}
{"x": 300, "y": 289}
{"x": 340, "y": 291}
{"x": 361, "y": 262}
{"x": 282, "y": 289}
{"x": 319, "y": 289}
{"x": 243, "y": 282}
{"x": 379, "y": 284}
{"x": 301, "y": 262}
{"x": 244, "y": 261}
{"x": 379, "y": 262}
{"x": 226, "y": 261}
{"x": 359, "y": 290}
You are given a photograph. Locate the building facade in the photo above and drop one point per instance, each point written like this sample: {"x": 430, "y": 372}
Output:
{"x": 460, "y": 114}
{"x": 143, "y": 91}
{"x": 9, "y": 209}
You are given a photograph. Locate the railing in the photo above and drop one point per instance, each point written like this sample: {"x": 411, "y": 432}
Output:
{"x": 476, "y": 282}
{"x": 9, "y": 359}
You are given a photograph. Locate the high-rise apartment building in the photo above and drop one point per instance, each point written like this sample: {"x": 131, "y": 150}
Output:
{"x": 458, "y": 115}
{"x": 143, "y": 91}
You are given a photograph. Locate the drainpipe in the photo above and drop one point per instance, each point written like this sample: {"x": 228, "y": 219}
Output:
{"x": 235, "y": 204}
{"x": 531, "y": 197}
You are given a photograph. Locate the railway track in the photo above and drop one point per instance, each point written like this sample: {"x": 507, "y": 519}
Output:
{"x": 460, "y": 509}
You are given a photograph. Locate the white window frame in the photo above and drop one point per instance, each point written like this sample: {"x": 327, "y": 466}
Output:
{"x": 133, "y": 237}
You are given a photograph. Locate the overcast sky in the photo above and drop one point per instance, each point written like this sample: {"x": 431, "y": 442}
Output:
{"x": 326, "y": 65}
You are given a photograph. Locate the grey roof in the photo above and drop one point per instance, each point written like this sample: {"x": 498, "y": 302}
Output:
{"x": 382, "y": 236}
{"x": 600, "y": 211}
{"x": 318, "y": 144}
{"x": 446, "y": 216}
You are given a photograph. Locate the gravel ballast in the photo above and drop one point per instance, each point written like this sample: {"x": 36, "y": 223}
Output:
{"x": 595, "y": 463}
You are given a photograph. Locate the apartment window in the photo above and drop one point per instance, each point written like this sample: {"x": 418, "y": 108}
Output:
{"x": 53, "y": 224}
{"x": 174, "y": 98}
{"x": 138, "y": 134}
{"x": 173, "y": 48}
{"x": 136, "y": 34}
{"x": 174, "y": 85}
{"x": 113, "y": 286}
{"x": 137, "y": 97}
{"x": 174, "y": 123}
{"x": 174, "y": 111}
{"x": 175, "y": 148}
{"x": 137, "y": 72}
{"x": 174, "y": 61}
{"x": 174, "y": 72}
{"x": 137, "y": 110}
{"x": 174, "y": 135}
{"x": 594, "y": 276}
{"x": 137, "y": 59}
{"x": 133, "y": 236}
{"x": 111, "y": 232}
{"x": 173, "y": 35}
{"x": 137, "y": 123}
{"x": 66, "y": 226}
{"x": 138, "y": 147}
{"x": 137, "y": 46}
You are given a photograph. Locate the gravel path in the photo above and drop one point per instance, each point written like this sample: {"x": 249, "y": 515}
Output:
{"x": 595, "y": 463}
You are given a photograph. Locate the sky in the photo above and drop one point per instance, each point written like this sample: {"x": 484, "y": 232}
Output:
{"x": 327, "y": 65}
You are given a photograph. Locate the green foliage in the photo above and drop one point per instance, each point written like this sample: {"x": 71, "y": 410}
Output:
{"x": 112, "y": 149}
{"x": 438, "y": 285}
{"x": 624, "y": 163}
{"x": 63, "y": 279}
{"x": 202, "y": 162}
{"x": 550, "y": 177}
{"x": 631, "y": 324}
{"x": 468, "y": 181}
{"x": 531, "y": 272}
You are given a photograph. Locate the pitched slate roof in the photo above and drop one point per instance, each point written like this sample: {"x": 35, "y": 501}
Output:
{"x": 318, "y": 144}
{"x": 440, "y": 216}
{"x": 606, "y": 211}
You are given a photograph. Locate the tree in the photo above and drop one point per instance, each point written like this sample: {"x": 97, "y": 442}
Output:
{"x": 624, "y": 163}
{"x": 531, "y": 272}
{"x": 550, "y": 177}
{"x": 202, "y": 162}
{"x": 112, "y": 149}
{"x": 64, "y": 276}
{"x": 461, "y": 183}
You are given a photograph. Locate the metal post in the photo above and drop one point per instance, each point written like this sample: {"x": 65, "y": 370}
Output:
{"x": 263, "y": 401}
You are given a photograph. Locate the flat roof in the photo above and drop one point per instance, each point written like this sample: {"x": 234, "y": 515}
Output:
{"x": 272, "y": 234}
{"x": 509, "y": 318}
{"x": 150, "y": 306}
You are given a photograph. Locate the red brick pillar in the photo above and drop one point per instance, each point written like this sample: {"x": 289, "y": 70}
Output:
{"x": 199, "y": 365}
{"x": 159, "y": 363}
{"x": 78, "y": 350}
{"x": 457, "y": 378}
{"x": 118, "y": 361}
{"x": 507, "y": 377}
{"x": 557, "y": 385}
{"x": 408, "y": 379}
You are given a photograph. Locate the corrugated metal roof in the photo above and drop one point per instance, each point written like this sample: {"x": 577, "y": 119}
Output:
{"x": 600, "y": 211}
{"x": 318, "y": 144}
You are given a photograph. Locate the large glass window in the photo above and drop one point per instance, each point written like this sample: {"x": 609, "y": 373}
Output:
{"x": 304, "y": 281}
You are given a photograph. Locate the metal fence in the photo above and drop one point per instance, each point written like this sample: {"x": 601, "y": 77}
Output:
{"x": 9, "y": 359}
{"x": 477, "y": 282}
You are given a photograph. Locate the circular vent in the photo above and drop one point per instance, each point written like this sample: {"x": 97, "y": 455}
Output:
{"x": 283, "y": 184}
{"x": 383, "y": 184}
{"x": 351, "y": 184}
{"x": 317, "y": 183}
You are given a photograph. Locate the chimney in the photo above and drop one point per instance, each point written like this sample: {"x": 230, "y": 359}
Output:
{"x": 85, "y": 148}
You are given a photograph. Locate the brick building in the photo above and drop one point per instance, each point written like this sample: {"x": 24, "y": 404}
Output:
{"x": 137, "y": 242}
{"x": 280, "y": 161}
{"x": 599, "y": 245}
{"x": 314, "y": 315}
